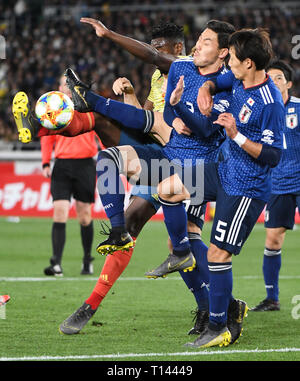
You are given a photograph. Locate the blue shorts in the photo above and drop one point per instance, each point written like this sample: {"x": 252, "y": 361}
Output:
{"x": 281, "y": 209}
{"x": 235, "y": 216}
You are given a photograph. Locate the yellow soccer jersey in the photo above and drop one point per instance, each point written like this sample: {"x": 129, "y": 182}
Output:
{"x": 158, "y": 90}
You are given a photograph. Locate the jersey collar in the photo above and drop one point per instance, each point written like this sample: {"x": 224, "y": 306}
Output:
{"x": 267, "y": 79}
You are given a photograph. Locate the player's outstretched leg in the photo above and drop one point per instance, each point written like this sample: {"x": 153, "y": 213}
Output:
{"x": 27, "y": 126}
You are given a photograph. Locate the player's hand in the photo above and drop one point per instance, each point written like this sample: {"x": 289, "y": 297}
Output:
{"x": 47, "y": 172}
{"x": 122, "y": 86}
{"x": 205, "y": 101}
{"x": 177, "y": 92}
{"x": 180, "y": 127}
{"x": 228, "y": 122}
{"x": 100, "y": 28}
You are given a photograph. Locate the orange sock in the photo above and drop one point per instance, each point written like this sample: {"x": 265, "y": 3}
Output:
{"x": 113, "y": 267}
{"x": 81, "y": 123}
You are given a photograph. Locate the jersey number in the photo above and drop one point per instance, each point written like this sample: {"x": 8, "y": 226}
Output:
{"x": 221, "y": 229}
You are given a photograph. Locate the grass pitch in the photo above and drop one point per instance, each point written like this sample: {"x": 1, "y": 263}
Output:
{"x": 140, "y": 319}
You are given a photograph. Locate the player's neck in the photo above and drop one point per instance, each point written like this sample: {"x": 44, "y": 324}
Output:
{"x": 285, "y": 96}
{"x": 210, "y": 68}
{"x": 254, "y": 78}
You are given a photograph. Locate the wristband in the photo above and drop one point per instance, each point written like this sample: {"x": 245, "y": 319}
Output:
{"x": 240, "y": 139}
{"x": 46, "y": 165}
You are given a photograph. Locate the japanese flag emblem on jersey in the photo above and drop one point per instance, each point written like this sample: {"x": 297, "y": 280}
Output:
{"x": 292, "y": 120}
{"x": 245, "y": 114}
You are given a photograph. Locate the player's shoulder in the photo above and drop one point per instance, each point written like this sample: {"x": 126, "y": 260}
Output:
{"x": 270, "y": 94}
{"x": 183, "y": 60}
{"x": 295, "y": 100}
{"x": 156, "y": 75}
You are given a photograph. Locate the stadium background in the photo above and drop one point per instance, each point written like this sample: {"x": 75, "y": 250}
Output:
{"x": 45, "y": 37}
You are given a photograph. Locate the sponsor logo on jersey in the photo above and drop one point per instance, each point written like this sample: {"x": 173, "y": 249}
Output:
{"x": 267, "y": 136}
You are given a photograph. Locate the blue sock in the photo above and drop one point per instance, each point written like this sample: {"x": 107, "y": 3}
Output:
{"x": 175, "y": 218}
{"x": 110, "y": 186}
{"x": 271, "y": 268}
{"x": 220, "y": 289}
{"x": 198, "y": 279}
{"x": 129, "y": 116}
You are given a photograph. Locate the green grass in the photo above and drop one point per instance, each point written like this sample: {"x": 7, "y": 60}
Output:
{"x": 139, "y": 316}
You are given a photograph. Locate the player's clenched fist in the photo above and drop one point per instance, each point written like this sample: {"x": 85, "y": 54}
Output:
{"x": 122, "y": 86}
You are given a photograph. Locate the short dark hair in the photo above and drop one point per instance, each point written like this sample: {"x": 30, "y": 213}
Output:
{"x": 169, "y": 31}
{"x": 223, "y": 29}
{"x": 254, "y": 44}
{"x": 287, "y": 70}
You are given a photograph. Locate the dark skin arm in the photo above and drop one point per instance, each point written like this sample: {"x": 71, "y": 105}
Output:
{"x": 141, "y": 50}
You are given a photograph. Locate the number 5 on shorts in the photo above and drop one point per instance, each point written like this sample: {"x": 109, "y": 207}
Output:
{"x": 221, "y": 229}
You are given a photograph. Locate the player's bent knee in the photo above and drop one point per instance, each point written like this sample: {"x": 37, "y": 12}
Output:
{"x": 216, "y": 254}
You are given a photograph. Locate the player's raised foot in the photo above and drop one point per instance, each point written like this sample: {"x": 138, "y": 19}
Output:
{"x": 4, "y": 299}
{"x": 211, "y": 338}
{"x": 171, "y": 264}
{"x": 267, "y": 305}
{"x": 75, "y": 322}
{"x": 87, "y": 267}
{"x": 237, "y": 311}
{"x": 78, "y": 90}
{"x": 116, "y": 241}
{"x": 53, "y": 270}
{"x": 200, "y": 322}
{"x": 27, "y": 125}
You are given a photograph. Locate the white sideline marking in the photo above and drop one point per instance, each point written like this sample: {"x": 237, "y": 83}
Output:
{"x": 125, "y": 355}
{"x": 126, "y": 279}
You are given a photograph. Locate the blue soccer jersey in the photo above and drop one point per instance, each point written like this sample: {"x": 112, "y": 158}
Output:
{"x": 181, "y": 146}
{"x": 286, "y": 176}
{"x": 259, "y": 115}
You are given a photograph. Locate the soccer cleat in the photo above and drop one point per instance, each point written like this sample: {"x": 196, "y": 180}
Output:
{"x": 201, "y": 321}
{"x": 75, "y": 322}
{"x": 211, "y": 338}
{"x": 53, "y": 270}
{"x": 78, "y": 90}
{"x": 87, "y": 267}
{"x": 27, "y": 126}
{"x": 116, "y": 241}
{"x": 237, "y": 311}
{"x": 267, "y": 305}
{"x": 171, "y": 264}
{"x": 4, "y": 299}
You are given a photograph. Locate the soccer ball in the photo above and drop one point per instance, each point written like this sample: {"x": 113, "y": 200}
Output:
{"x": 54, "y": 110}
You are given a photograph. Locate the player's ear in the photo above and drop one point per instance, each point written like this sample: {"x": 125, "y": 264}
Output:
{"x": 289, "y": 84}
{"x": 248, "y": 63}
{"x": 223, "y": 53}
{"x": 178, "y": 48}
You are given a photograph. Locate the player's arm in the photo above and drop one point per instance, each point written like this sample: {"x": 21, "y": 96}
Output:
{"x": 170, "y": 115}
{"x": 268, "y": 150}
{"x": 222, "y": 82}
{"x": 139, "y": 49}
{"x": 199, "y": 124}
{"x": 47, "y": 145}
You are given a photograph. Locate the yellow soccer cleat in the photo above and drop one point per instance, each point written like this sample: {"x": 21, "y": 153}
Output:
{"x": 115, "y": 242}
{"x": 210, "y": 338}
{"x": 27, "y": 126}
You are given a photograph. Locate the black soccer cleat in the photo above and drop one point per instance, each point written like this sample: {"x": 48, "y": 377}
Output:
{"x": 87, "y": 266}
{"x": 116, "y": 241}
{"x": 201, "y": 319}
{"x": 267, "y": 305}
{"x": 211, "y": 338}
{"x": 75, "y": 322}
{"x": 78, "y": 90}
{"x": 53, "y": 270}
{"x": 171, "y": 264}
{"x": 237, "y": 311}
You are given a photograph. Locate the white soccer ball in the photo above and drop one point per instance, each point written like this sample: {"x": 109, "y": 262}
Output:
{"x": 54, "y": 110}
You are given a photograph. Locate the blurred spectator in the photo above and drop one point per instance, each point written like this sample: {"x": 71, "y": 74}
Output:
{"x": 44, "y": 37}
